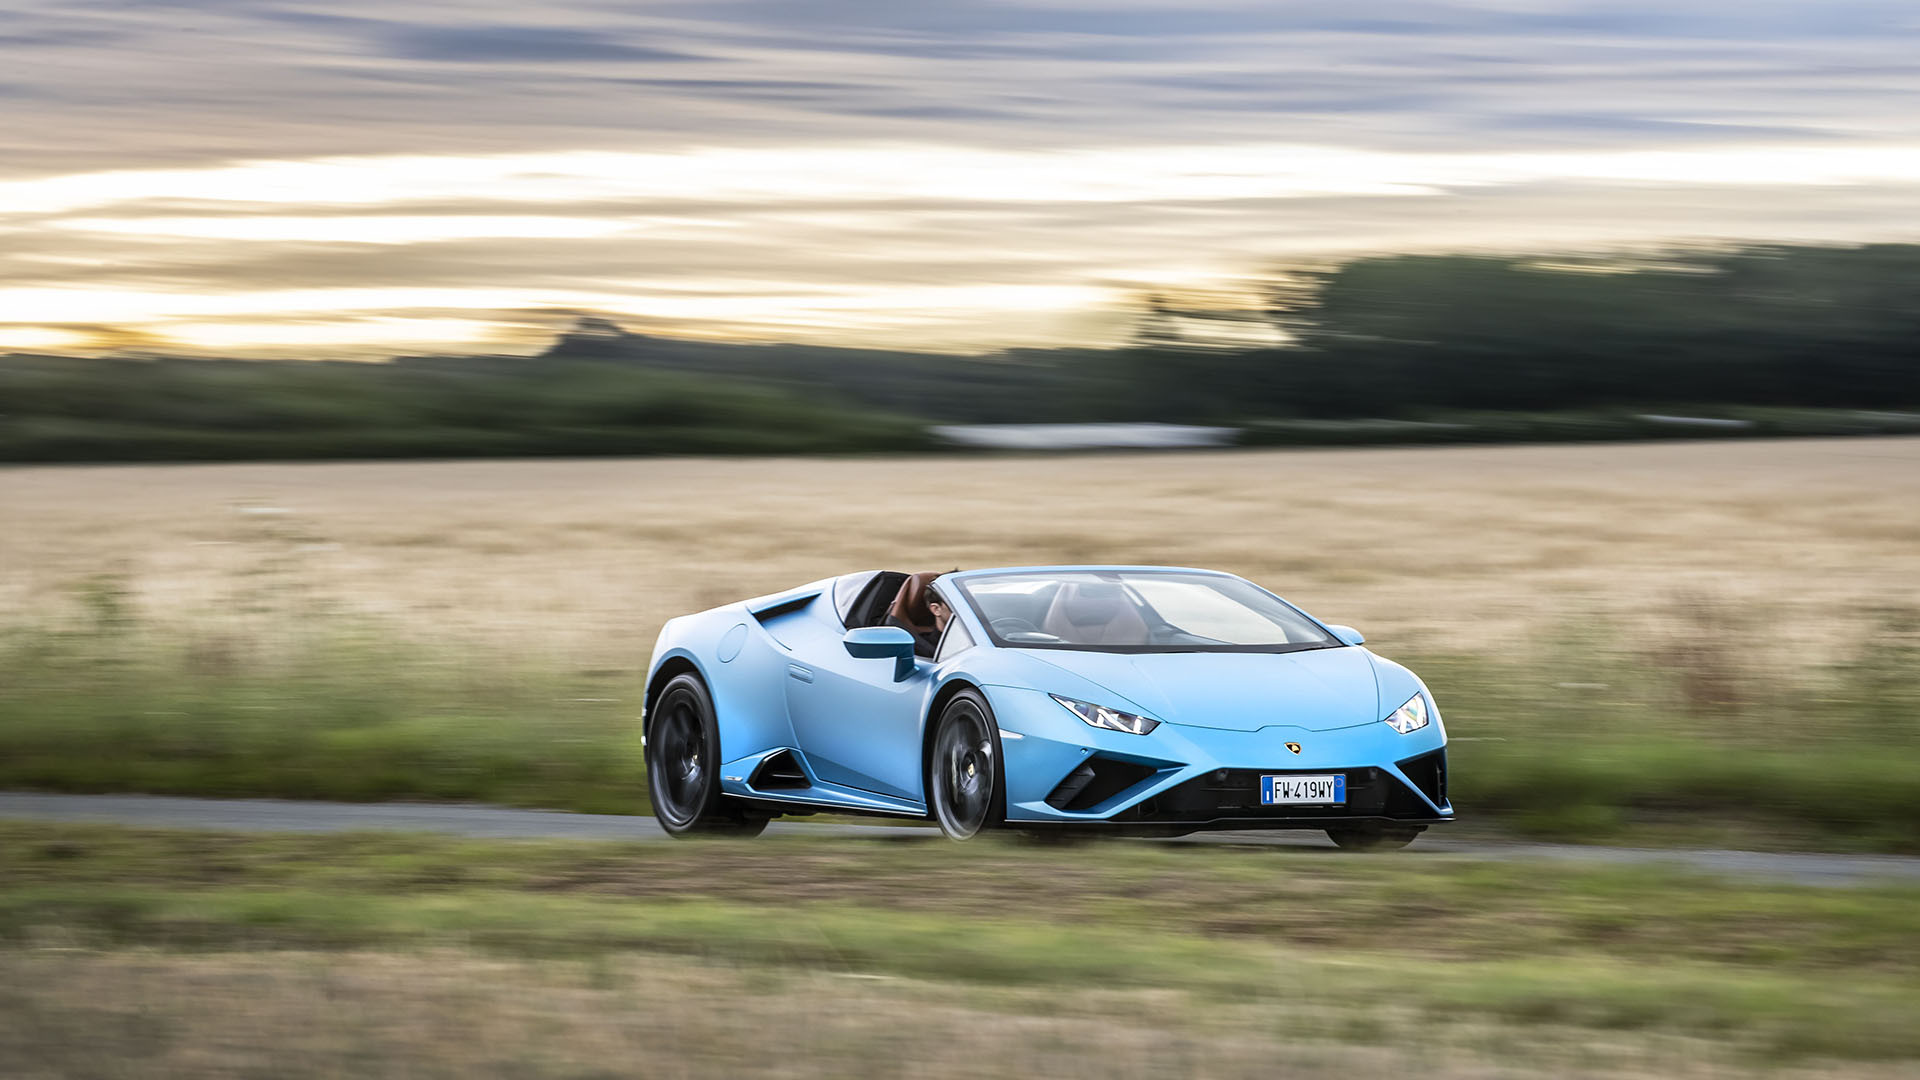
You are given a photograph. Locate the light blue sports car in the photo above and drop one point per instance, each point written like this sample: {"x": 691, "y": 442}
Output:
{"x": 1141, "y": 699}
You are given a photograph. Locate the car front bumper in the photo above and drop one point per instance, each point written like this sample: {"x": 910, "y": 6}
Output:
{"x": 1180, "y": 778}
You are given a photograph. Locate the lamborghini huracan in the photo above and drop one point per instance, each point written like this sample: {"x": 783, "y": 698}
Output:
{"x": 1141, "y": 699}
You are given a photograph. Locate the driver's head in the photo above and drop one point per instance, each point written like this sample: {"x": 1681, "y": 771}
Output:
{"x": 941, "y": 612}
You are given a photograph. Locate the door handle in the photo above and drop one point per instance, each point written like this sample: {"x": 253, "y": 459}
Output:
{"x": 798, "y": 672}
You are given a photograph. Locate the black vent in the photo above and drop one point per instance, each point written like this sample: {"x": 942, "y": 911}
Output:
{"x": 1095, "y": 781}
{"x": 785, "y": 607}
{"x": 1428, "y": 773}
{"x": 779, "y": 771}
{"x": 1234, "y": 795}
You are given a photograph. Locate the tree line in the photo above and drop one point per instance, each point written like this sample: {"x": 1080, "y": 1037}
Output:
{"x": 1407, "y": 335}
{"x": 1394, "y": 337}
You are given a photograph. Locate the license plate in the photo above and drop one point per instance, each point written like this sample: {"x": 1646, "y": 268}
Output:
{"x": 1329, "y": 790}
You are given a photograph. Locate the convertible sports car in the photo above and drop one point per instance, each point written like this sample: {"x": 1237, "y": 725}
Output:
{"x": 1124, "y": 698}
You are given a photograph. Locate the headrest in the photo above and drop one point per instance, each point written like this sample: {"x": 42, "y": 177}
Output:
{"x": 1089, "y": 603}
{"x": 910, "y": 603}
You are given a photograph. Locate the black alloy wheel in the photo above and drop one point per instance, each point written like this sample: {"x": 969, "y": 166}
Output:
{"x": 683, "y": 760}
{"x": 964, "y": 770}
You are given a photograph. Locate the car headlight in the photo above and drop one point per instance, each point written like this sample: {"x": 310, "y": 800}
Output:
{"x": 1410, "y": 717}
{"x": 1102, "y": 717}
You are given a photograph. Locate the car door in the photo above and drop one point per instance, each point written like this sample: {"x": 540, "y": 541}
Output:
{"x": 856, "y": 724}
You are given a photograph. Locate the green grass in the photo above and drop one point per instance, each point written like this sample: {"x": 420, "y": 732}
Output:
{"x": 1779, "y": 971}
{"x": 1838, "y": 1014}
{"x": 349, "y": 716}
{"x": 1594, "y": 737}
{"x": 1438, "y": 908}
{"x": 1590, "y": 738}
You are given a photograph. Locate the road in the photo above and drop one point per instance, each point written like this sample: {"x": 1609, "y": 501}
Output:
{"x": 275, "y": 815}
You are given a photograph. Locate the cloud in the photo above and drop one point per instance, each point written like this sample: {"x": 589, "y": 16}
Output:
{"x": 751, "y": 154}
{"x": 1691, "y": 131}
{"x": 296, "y": 78}
{"x": 57, "y": 38}
{"x": 517, "y": 44}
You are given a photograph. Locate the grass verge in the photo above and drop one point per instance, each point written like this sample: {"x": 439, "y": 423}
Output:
{"x": 1376, "y": 950}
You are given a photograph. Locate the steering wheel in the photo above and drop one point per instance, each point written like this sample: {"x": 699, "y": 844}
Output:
{"x": 1009, "y": 625}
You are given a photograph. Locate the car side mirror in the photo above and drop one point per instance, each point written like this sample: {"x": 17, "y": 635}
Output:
{"x": 1347, "y": 634}
{"x": 880, "y": 642}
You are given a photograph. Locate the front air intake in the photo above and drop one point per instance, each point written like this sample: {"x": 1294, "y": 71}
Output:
{"x": 1428, "y": 773}
{"x": 1096, "y": 780}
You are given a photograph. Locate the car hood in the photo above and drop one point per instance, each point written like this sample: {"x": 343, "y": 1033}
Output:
{"x": 1318, "y": 689}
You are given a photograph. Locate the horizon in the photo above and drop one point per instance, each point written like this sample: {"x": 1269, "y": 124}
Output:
{"x": 353, "y": 180}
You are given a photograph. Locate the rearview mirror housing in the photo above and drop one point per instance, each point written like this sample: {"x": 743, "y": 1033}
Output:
{"x": 880, "y": 642}
{"x": 1347, "y": 634}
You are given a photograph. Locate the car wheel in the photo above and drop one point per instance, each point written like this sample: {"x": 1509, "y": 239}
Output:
{"x": 963, "y": 779}
{"x": 683, "y": 765}
{"x": 1373, "y": 837}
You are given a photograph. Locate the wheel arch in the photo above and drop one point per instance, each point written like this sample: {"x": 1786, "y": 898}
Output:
{"x": 670, "y": 669}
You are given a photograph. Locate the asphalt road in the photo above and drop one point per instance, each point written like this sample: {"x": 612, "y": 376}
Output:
{"x": 275, "y": 815}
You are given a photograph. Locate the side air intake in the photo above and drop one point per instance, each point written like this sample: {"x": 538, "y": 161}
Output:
{"x": 779, "y": 771}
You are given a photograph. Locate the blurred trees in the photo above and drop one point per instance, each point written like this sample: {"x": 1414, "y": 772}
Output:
{"x": 1404, "y": 337}
{"x": 1758, "y": 326}
{"x": 75, "y": 409}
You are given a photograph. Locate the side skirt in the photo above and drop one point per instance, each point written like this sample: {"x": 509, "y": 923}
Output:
{"x": 804, "y": 793}
{"x": 803, "y": 808}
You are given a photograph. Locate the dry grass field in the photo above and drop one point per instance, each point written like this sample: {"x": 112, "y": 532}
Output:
{"x": 1604, "y": 626}
{"x": 1425, "y": 549}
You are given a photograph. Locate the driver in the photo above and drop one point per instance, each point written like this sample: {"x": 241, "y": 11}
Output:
{"x": 942, "y": 615}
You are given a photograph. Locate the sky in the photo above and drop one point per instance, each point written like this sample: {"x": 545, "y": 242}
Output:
{"x": 348, "y": 178}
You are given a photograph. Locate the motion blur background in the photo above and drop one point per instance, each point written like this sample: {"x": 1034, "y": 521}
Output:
{"x": 1571, "y": 350}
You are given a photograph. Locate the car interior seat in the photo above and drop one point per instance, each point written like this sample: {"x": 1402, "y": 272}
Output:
{"x": 910, "y": 612}
{"x": 1094, "y": 613}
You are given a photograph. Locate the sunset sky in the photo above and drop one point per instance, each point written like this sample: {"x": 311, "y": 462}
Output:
{"x": 346, "y": 177}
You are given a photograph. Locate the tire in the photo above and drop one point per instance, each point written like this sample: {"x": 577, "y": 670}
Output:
{"x": 965, "y": 792}
{"x": 683, "y": 765}
{"x": 1374, "y": 837}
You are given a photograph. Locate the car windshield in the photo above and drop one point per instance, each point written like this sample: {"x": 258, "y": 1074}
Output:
{"x": 1138, "y": 611}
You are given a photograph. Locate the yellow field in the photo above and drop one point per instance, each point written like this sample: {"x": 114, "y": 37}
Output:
{"x": 1422, "y": 548}
{"x": 454, "y": 1014}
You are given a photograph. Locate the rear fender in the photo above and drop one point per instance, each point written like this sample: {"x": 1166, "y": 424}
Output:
{"x": 743, "y": 668}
